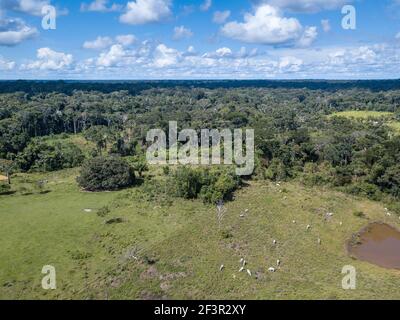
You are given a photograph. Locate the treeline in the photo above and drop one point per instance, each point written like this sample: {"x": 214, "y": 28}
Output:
{"x": 136, "y": 87}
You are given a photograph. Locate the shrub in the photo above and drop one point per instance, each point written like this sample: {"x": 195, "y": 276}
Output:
{"x": 395, "y": 207}
{"x": 317, "y": 175}
{"x": 114, "y": 221}
{"x": 359, "y": 214}
{"x": 124, "y": 148}
{"x": 103, "y": 211}
{"x": 43, "y": 156}
{"x": 155, "y": 191}
{"x": 166, "y": 170}
{"x": 277, "y": 171}
{"x": 4, "y": 188}
{"x": 342, "y": 176}
{"x": 106, "y": 173}
{"x": 139, "y": 165}
{"x": 226, "y": 233}
{"x": 188, "y": 182}
{"x": 210, "y": 185}
{"x": 221, "y": 186}
{"x": 390, "y": 181}
{"x": 364, "y": 189}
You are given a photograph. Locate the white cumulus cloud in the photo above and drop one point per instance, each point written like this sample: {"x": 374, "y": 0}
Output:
{"x": 268, "y": 26}
{"x": 98, "y": 44}
{"x": 164, "y": 56}
{"x": 6, "y": 65}
{"x": 308, "y": 37}
{"x": 290, "y": 64}
{"x": 14, "y": 31}
{"x": 115, "y": 56}
{"x": 102, "y": 43}
{"x": 181, "y": 33}
{"x": 32, "y": 7}
{"x": 126, "y": 39}
{"x": 48, "y": 59}
{"x": 309, "y": 6}
{"x": 100, "y": 6}
{"x": 149, "y": 59}
{"x": 146, "y": 11}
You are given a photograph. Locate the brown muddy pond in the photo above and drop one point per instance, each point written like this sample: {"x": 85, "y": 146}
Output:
{"x": 378, "y": 244}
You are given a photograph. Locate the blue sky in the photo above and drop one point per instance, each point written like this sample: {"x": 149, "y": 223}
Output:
{"x": 213, "y": 39}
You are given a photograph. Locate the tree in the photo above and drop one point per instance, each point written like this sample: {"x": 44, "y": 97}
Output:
{"x": 211, "y": 186}
{"x": 106, "y": 174}
{"x": 187, "y": 182}
{"x": 139, "y": 165}
{"x": 99, "y": 135}
{"x": 7, "y": 166}
{"x": 47, "y": 156}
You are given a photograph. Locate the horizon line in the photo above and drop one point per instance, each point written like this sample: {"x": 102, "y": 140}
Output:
{"x": 205, "y": 79}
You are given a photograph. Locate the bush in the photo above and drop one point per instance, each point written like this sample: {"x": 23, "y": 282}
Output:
{"x": 44, "y": 156}
{"x": 277, "y": 171}
{"x": 395, "y": 207}
{"x": 139, "y": 165}
{"x": 188, "y": 182}
{"x": 390, "y": 181}
{"x": 342, "y": 176}
{"x": 209, "y": 185}
{"x": 166, "y": 170}
{"x": 317, "y": 175}
{"x": 4, "y": 188}
{"x": 124, "y": 148}
{"x": 103, "y": 211}
{"x": 106, "y": 173}
{"x": 155, "y": 191}
{"x": 221, "y": 186}
{"x": 359, "y": 214}
{"x": 364, "y": 189}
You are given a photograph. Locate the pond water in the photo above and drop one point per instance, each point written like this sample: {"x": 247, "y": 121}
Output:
{"x": 379, "y": 244}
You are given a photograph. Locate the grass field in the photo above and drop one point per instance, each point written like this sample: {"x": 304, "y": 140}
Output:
{"x": 365, "y": 115}
{"x": 395, "y": 126}
{"x": 176, "y": 251}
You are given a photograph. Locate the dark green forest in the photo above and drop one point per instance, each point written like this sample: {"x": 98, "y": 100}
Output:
{"x": 296, "y": 135}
